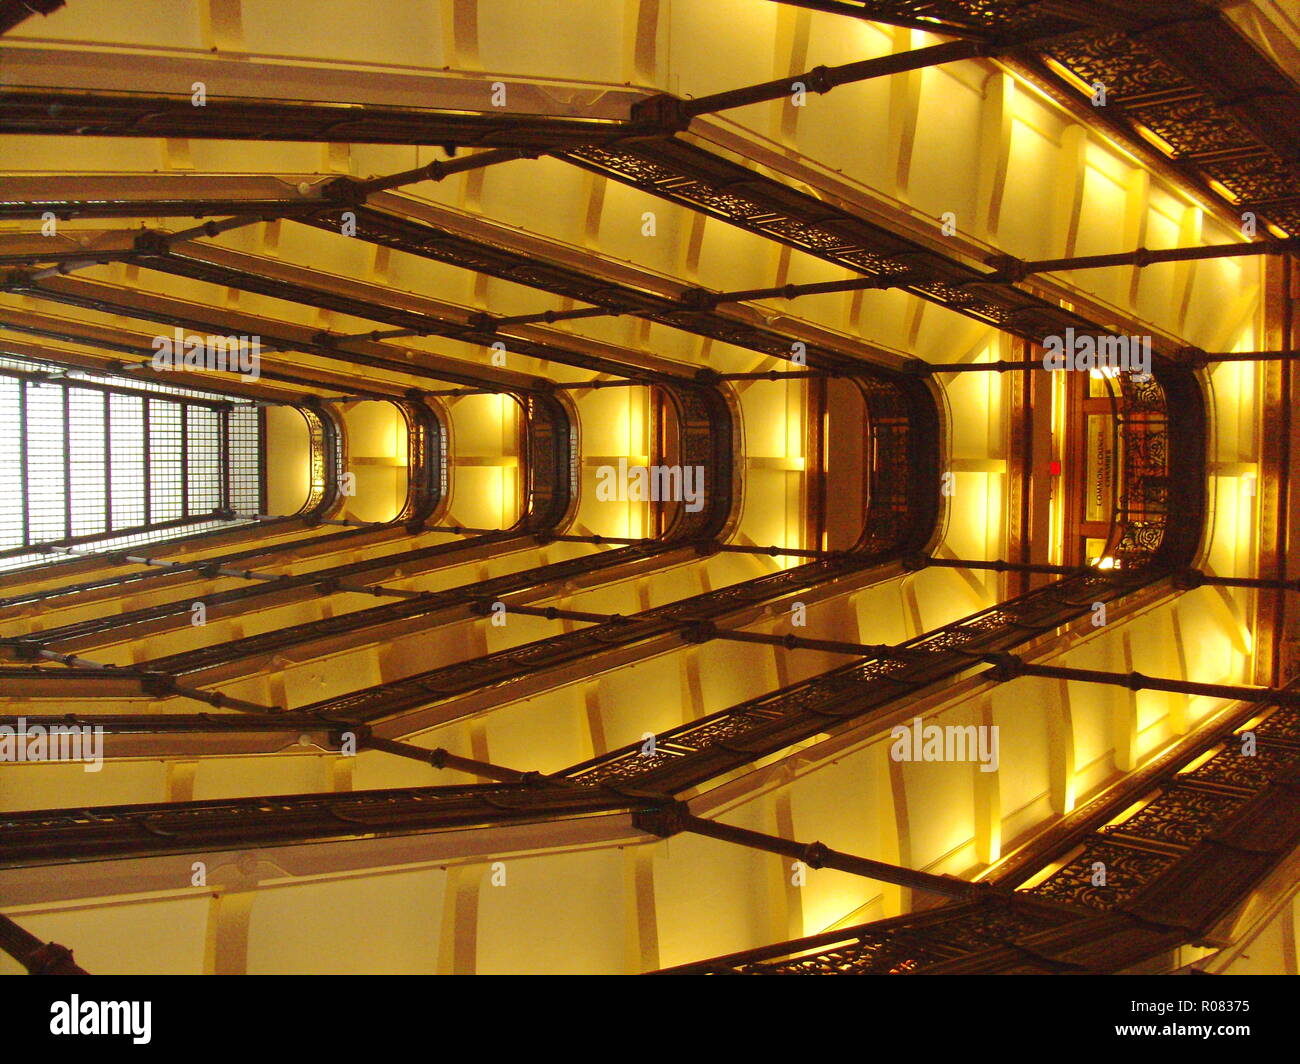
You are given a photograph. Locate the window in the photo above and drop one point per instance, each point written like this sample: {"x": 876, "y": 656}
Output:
{"x": 95, "y": 463}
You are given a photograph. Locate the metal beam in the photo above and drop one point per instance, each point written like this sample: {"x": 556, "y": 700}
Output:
{"x": 442, "y": 758}
{"x": 819, "y": 80}
{"x": 674, "y": 818}
{"x": 1008, "y": 667}
{"x": 156, "y": 307}
{"x": 1183, "y": 580}
{"x": 38, "y": 957}
{"x": 106, "y": 338}
{"x": 346, "y": 105}
{"x": 13, "y": 12}
{"x": 1016, "y": 269}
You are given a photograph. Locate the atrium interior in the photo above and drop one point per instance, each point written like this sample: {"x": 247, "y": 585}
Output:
{"x": 583, "y": 486}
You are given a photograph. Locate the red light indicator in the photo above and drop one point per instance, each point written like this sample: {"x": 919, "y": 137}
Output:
{"x": 1054, "y": 467}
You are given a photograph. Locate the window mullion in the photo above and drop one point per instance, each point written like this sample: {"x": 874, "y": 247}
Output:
{"x": 108, "y": 465}
{"x": 185, "y": 459}
{"x": 23, "y": 467}
{"x": 67, "y": 461}
{"x": 148, "y": 464}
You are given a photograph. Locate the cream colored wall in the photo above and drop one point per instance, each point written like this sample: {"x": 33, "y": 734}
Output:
{"x": 288, "y": 460}
{"x": 377, "y": 458}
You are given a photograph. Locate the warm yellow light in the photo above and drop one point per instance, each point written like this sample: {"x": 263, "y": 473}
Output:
{"x": 1065, "y": 74}
{"x": 826, "y": 436}
{"x": 1156, "y": 141}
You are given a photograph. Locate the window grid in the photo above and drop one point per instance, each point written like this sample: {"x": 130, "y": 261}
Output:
{"x": 244, "y": 438}
{"x": 165, "y": 469}
{"x": 87, "y": 489}
{"x": 104, "y": 464}
{"x": 46, "y": 488}
{"x": 13, "y": 516}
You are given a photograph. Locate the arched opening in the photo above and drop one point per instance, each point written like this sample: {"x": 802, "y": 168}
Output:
{"x": 288, "y": 468}
{"x": 375, "y": 483}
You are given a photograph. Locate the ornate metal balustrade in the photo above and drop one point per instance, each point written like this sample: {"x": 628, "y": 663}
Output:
{"x": 689, "y": 309}
{"x": 276, "y": 335}
{"x": 896, "y": 510}
{"x": 138, "y": 114}
{"x": 695, "y": 178}
{"x": 709, "y": 440}
{"x": 550, "y": 461}
{"x": 248, "y": 273}
{"x": 327, "y": 460}
{"x": 159, "y": 577}
{"x": 897, "y": 521}
{"x": 272, "y": 591}
{"x": 503, "y": 675}
{"x": 426, "y": 461}
{"x": 1176, "y": 74}
{"x": 701, "y": 750}
{"x": 706, "y": 440}
{"x": 1181, "y": 814}
{"x": 350, "y": 105}
{"x": 991, "y": 20}
{"x": 1144, "y": 474}
{"x": 694, "y": 753}
{"x": 901, "y": 946}
{"x": 1225, "y": 118}
{"x": 622, "y": 780}
{"x": 104, "y": 832}
{"x": 1173, "y": 868}
{"x": 138, "y": 346}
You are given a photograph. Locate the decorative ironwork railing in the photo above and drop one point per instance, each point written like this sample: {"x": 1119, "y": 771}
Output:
{"x": 696, "y": 752}
{"x": 253, "y": 274}
{"x": 311, "y": 583}
{"x": 901, "y": 946}
{"x": 1142, "y": 456}
{"x": 1221, "y": 112}
{"x": 707, "y": 434}
{"x": 327, "y": 460}
{"x": 410, "y": 234}
{"x": 551, "y": 461}
{"x": 683, "y": 757}
{"x": 1197, "y": 844}
{"x": 708, "y": 440}
{"x": 700, "y": 750}
{"x": 979, "y": 19}
{"x": 426, "y": 461}
{"x": 902, "y": 503}
{"x": 127, "y": 581}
